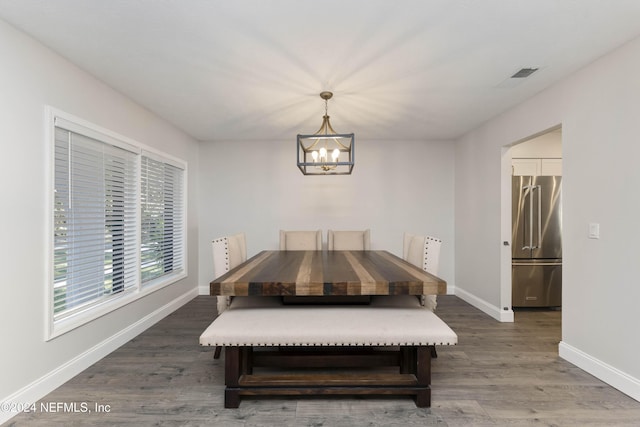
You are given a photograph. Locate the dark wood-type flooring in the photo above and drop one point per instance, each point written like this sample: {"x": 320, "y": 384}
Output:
{"x": 499, "y": 374}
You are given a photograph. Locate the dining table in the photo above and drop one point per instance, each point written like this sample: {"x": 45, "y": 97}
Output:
{"x": 339, "y": 366}
{"x": 326, "y": 273}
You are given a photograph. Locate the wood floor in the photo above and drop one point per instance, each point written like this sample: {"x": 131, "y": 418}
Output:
{"x": 499, "y": 374}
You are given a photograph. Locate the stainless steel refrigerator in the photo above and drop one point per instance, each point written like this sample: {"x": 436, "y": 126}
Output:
{"x": 537, "y": 241}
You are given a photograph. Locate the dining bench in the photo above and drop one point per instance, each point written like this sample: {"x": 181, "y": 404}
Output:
{"x": 300, "y": 350}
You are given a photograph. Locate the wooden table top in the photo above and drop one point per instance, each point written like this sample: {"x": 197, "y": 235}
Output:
{"x": 322, "y": 273}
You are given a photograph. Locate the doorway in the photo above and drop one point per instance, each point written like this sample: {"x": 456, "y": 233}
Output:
{"x": 539, "y": 155}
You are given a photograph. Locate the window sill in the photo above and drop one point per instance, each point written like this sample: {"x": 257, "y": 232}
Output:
{"x": 93, "y": 312}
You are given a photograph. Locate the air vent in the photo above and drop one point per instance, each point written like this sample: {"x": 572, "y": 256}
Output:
{"x": 523, "y": 73}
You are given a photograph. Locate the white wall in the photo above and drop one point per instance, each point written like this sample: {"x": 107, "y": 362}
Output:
{"x": 31, "y": 77}
{"x": 257, "y": 188}
{"x": 598, "y": 108}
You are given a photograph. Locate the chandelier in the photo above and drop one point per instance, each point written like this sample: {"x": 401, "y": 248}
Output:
{"x": 326, "y": 152}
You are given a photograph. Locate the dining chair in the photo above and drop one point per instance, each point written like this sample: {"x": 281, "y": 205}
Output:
{"x": 349, "y": 240}
{"x": 228, "y": 252}
{"x": 301, "y": 240}
{"x": 423, "y": 252}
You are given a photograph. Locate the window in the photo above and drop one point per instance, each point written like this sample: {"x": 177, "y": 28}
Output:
{"x": 162, "y": 215}
{"x": 94, "y": 221}
{"x": 118, "y": 222}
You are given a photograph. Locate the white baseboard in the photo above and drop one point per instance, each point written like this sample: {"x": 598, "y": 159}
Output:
{"x": 493, "y": 311}
{"x": 54, "y": 379}
{"x": 607, "y": 373}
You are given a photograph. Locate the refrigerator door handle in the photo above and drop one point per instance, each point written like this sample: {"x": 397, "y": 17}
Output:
{"x": 529, "y": 264}
{"x": 527, "y": 189}
{"x": 531, "y": 188}
{"x": 539, "y": 191}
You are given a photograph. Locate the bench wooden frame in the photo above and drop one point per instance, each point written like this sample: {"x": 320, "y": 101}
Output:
{"x": 413, "y": 377}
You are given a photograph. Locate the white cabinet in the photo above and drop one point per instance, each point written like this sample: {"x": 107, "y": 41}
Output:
{"x": 536, "y": 167}
{"x": 551, "y": 167}
{"x": 526, "y": 167}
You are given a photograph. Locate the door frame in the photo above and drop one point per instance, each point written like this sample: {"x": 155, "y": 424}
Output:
{"x": 506, "y": 310}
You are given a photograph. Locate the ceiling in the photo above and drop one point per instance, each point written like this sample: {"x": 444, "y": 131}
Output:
{"x": 399, "y": 70}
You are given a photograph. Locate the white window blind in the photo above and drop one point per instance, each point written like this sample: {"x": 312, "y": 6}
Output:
{"x": 162, "y": 211}
{"x": 95, "y": 222}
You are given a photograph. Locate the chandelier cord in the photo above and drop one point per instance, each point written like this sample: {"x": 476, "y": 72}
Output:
{"x": 326, "y": 115}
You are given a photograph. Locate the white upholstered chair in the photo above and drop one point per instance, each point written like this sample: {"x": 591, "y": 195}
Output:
{"x": 228, "y": 252}
{"x": 423, "y": 252}
{"x": 348, "y": 240}
{"x": 301, "y": 240}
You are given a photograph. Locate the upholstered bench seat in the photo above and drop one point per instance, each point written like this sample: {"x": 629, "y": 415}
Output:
{"x": 391, "y": 332}
{"x": 389, "y": 321}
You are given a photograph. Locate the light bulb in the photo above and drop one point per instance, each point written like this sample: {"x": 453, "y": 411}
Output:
{"x": 323, "y": 154}
{"x": 314, "y": 154}
{"x": 335, "y": 154}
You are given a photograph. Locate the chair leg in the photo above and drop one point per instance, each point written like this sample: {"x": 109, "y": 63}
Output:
{"x": 216, "y": 353}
